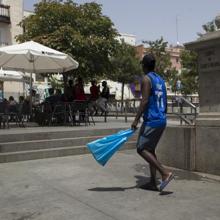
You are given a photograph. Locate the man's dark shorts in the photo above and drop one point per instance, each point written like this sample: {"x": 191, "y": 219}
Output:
{"x": 149, "y": 137}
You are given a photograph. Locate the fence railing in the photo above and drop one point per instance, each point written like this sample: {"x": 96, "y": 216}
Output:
{"x": 185, "y": 108}
{"x": 181, "y": 108}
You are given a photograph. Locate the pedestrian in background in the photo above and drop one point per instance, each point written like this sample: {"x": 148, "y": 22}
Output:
{"x": 79, "y": 90}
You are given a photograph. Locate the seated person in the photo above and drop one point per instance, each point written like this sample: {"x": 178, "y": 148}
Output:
{"x": 11, "y": 101}
{"x": 3, "y": 109}
{"x": 21, "y": 103}
{"x": 94, "y": 91}
{"x": 79, "y": 90}
{"x": 12, "y": 109}
{"x": 34, "y": 98}
{"x": 52, "y": 99}
{"x": 69, "y": 91}
{"x": 104, "y": 96}
{"x": 12, "y": 104}
{"x": 21, "y": 99}
{"x": 94, "y": 95}
{"x": 58, "y": 96}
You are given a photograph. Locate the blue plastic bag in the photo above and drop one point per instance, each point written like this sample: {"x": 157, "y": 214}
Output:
{"x": 104, "y": 148}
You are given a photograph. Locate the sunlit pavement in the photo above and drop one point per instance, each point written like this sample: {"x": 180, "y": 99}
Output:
{"x": 76, "y": 187}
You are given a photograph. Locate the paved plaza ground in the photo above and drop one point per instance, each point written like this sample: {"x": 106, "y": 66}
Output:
{"x": 77, "y": 188}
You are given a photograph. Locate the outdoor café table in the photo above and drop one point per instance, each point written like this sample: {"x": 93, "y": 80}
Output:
{"x": 59, "y": 113}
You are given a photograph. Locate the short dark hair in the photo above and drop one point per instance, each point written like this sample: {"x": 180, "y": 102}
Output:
{"x": 104, "y": 83}
{"x": 93, "y": 81}
{"x": 21, "y": 98}
{"x": 33, "y": 92}
{"x": 149, "y": 61}
{"x": 11, "y": 98}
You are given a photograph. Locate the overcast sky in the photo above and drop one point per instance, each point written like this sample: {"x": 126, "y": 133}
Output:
{"x": 149, "y": 20}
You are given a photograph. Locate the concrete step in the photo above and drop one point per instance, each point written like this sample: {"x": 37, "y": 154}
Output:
{"x": 50, "y": 153}
{"x": 45, "y": 134}
{"x": 47, "y": 144}
{"x": 51, "y": 143}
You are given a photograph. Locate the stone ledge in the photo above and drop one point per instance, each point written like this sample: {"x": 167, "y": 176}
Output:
{"x": 208, "y": 122}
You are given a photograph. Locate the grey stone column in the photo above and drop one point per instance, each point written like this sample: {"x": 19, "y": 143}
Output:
{"x": 207, "y": 153}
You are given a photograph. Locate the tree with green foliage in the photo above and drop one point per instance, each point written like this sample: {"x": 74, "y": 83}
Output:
{"x": 189, "y": 74}
{"x": 126, "y": 66}
{"x": 55, "y": 83}
{"x": 208, "y": 27}
{"x": 79, "y": 30}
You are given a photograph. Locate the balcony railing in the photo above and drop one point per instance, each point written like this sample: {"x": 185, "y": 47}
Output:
{"x": 5, "y": 14}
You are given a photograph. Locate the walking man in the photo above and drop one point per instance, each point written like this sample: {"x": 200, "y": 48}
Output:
{"x": 153, "y": 106}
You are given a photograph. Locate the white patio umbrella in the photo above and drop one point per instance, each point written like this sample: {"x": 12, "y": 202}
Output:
{"x": 14, "y": 76}
{"x": 8, "y": 75}
{"x": 35, "y": 58}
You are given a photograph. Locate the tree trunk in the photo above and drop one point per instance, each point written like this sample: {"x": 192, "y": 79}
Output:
{"x": 122, "y": 95}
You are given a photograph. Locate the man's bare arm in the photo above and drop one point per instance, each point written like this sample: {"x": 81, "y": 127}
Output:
{"x": 145, "y": 91}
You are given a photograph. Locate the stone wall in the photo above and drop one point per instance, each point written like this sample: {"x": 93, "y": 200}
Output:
{"x": 191, "y": 148}
{"x": 14, "y": 89}
{"x": 207, "y": 149}
{"x": 177, "y": 146}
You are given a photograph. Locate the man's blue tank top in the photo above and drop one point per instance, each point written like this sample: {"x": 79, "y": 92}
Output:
{"x": 155, "y": 112}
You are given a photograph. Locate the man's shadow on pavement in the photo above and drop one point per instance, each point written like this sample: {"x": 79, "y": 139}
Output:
{"x": 140, "y": 181}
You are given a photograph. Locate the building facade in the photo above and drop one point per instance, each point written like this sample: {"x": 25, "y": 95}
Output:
{"x": 11, "y": 14}
{"x": 127, "y": 38}
{"x": 175, "y": 60}
{"x": 174, "y": 51}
